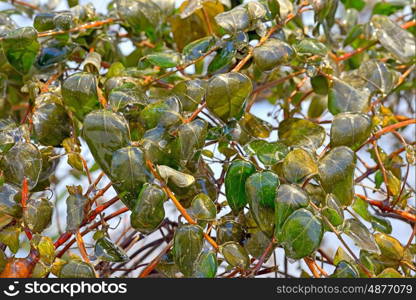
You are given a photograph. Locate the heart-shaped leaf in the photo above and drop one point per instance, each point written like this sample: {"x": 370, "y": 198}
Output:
{"x": 272, "y": 53}
{"x": 298, "y": 165}
{"x": 202, "y": 208}
{"x": 75, "y": 208}
{"x": 298, "y": 132}
{"x": 206, "y": 265}
{"x": 235, "y": 255}
{"x": 106, "y": 250}
{"x": 269, "y": 153}
{"x": 360, "y": 235}
{"x": 38, "y": 215}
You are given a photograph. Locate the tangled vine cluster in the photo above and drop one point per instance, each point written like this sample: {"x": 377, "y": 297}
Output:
{"x": 149, "y": 114}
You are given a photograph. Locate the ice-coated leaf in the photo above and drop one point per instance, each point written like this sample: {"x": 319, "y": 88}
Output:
{"x": 311, "y": 46}
{"x": 298, "y": 165}
{"x": 10, "y": 134}
{"x": 345, "y": 270}
{"x": 389, "y": 246}
{"x": 234, "y": 20}
{"x": 336, "y": 172}
{"x": 223, "y": 57}
{"x": 360, "y": 235}
{"x": 148, "y": 213}
{"x": 187, "y": 246}
{"x": 350, "y": 129}
{"x": 206, "y": 265}
{"x": 269, "y": 153}
{"x": 106, "y": 250}
{"x": 289, "y": 198}
{"x": 398, "y": 41}
{"x": 235, "y": 255}
{"x": 333, "y": 210}
{"x": 38, "y": 214}
{"x": 105, "y": 132}
{"x": 178, "y": 179}
{"x": 299, "y": 132}
{"x": 255, "y": 126}
{"x": 190, "y": 93}
{"x": 127, "y": 97}
{"x": 129, "y": 173}
{"x": 9, "y": 236}
{"x": 229, "y": 230}
{"x": 318, "y": 105}
{"x": 166, "y": 59}
{"x": 75, "y": 208}
{"x": 235, "y": 181}
{"x": 301, "y": 234}
{"x": 23, "y": 160}
{"x": 261, "y": 189}
{"x": 202, "y": 208}
{"x": 377, "y": 76}
{"x": 10, "y": 200}
{"x": 257, "y": 243}
{"x": 79, "y": 92}
{"x": 227, "y": 93}
{"x": 163, "y": 113}
{"x": 345, "y": 98}
{"x": 50, "y": 120}
{"x": 21, "y": 47}
{"x": 197, "y": 48}
{"x": 272, "y": 53}
{"x": 77, "y": 269}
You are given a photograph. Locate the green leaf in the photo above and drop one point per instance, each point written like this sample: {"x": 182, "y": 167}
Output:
{"x": 164, "y": 113}
{"x": 301, "y": 234}
{"x": 77, "y": 269}
{"x": 227, "y": 93}
{"x": 336, "y": 172}
{"x": 360, "y": 235}
{"x": 387, "y": 9}
{"x": 198, "y": 48}
{"x": 148, "y": 213}
{"x": 299, "y": 132}
{"x": 10, "y": 200}
{"x": 350, "y": 129}
{"x": 235, "y": 255}
{"x": 298, "y": 165}
{"x": 289, "y": 198}
{"x": 9, "y": 236}
{"x": 318, "y": 105}
{"x": 389, "y": 273}
{"x": 345, "y": 270}
{"x": 229, "y": 231}
{"x": 223, "y": 57}
{"x": 190, "y": 93}
{"x": 333, "y": 210}
{"x": 206, "y": 265}
{"x": 261, "y": 189}
{"x": 202, "y": 208}
{"x": 106, "y": 250}
{"x": 234, "y": 20}
{"x": 235, "y": 181}
{"x": 269, "y": 153}
{"x": 178, "y": 179}
{"x": 79, "y": 92}
{"x": 75, "y": 208}
{"x": 50, "y": 120}
{"x": 187, "y": 246}
{"x": 312, "y": 47}
{"x": 389, "y": 246}
{"x": 21, "y": 47}
{"x": 398, "y": 41}
{"x": 255, "y": 126}
{"x": 377, "y": 76}
{"x": 105, "y": 132}
{"x": 360, "y": 206}
{"x": 129, "y": 173}
{"x": 357, "y": 4}
{"x": 38, "y": 215}
{"x": 127, "y": 97}
{"x": 165, "y": 59}
{"x": 272, "y": 53}
{"x": 320, "y": 86}
{"x": 381, "y": 224}
{"x": 23, "y": 160}
{"x": 257, "y": 243}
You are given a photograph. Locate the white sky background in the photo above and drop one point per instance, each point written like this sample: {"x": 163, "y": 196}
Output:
{"x": 330, "y": 243}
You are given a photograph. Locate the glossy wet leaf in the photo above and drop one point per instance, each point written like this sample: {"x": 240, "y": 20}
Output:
{"x": 10, "y": 196}
{"x": 127, "y": 97}
{"x": 197, "y": 48}
{"x": 164, "y": 59}
{"x": 223, "y": 57}
{"x": 360, "y": 206}
{"x": 229, "y": 230}
{"x": 320, "y": 85}
{"x": 227, "y": 93}
{"x": 77, "y": 269}
{"x": 187, "y": 246}
{"x": 234, "y": 20}
{"x": 389, "y": 273}
{"x": 129, "y": 173}
{"x": 360, "y": 235}
{"x": 318, "y": 106}
{"x": 389, "y": 246}
{"x": 178, "y": 179}
{"x": 298, "y": 165}
{"x": 23, "y": 160}
{"x": 336, "y": 173}
{"x": 272, "y": 53}
{"x": 377, "y": 76}
{"x": 75, "y": 208}
{"x": 148, "y": 213}
{"x": 333, "y": 210}
{"x": 261, "y": 190}
{"x": 350, "y": 129}
{"x": 79, "y": 92}
{"x": 235, "y": 255}
{"x": 269, "y": 153}
{"x": 345, "y": 270}
{"x": 235, "y": 181}
{"x": 10, "y": 134}
{"x": 312, "y": 47}
{"x": 301, "y": 234}
{"x": 163, "y": 113}
{"x": 38, "y": 215}
{"x": 289, "y": 198}
{"x": 298, "y": 132}
{"x": 255, "y": 126}
{"x": 345, "y": 98}
{"x": 202, "y": 208}
{"x": 381, "y": 224}
{"x": 21, "y": 47}
{"x": 105, "y": 132}
{"x": 256, "y": 243}
{"x": 106, "y": 250}
{"x": 398, "y": 41}
{"x": 50, "y": 120}
{"x": 44, "y": 245}
{"x": 190, "y": 93}
{"x": 9, "y": 236}
{"x": 206, "y": 265}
